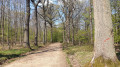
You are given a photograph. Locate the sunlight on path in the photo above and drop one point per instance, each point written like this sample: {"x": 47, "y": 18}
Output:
{"x": 51, "y": 56}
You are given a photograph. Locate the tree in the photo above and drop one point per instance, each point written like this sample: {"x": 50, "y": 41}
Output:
{"x": 16, "y": 20}
{"x": 44, "y": 9}
{"x": 26, "y": 33}
{"x": 91, "y": 22}
{"x": 9, "y": 20}
{"x": 103, "y": 33}
{"x": 36, "y": 21}
{"x": 52, "y": 17}
{"x": 3, "y": 20}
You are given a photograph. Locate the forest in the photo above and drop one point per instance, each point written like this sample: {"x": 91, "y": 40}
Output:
{"x": 86, "y": 31}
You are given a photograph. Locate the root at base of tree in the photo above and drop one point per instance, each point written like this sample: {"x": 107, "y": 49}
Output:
{"x": 101, "y": 62}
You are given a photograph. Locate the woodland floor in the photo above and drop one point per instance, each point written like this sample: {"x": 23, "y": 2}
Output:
{"x": 51, "y": 56}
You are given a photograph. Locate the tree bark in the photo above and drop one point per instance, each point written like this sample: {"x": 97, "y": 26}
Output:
{"x": 103, "y": 31}
{"x": 9, "y": 20}
{"x": 64, "y": 33}
{"x": 3, "y": 8}
{"x": 51, "y": 33}
{"x": 26, "y": 35}
{"x": 39, "y": 32}
{"x": 20, "y": 27}
{"x": 91, "y": 23}
{"x": 67, "y": 30}
{"x": 36, "y": 27}
{"x": 16, "y": 25}
{"x": 44, "y": 32}
{"x": 73, "y": 28}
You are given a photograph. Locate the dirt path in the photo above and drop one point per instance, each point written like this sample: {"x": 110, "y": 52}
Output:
{"x": 51, "y": 56}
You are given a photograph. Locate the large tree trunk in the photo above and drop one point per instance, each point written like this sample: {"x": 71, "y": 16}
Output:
{"x": 26, "y": 35}
{"x": 103, "y": 31}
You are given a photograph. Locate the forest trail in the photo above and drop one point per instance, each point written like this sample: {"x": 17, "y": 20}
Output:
{"x": 51, "y": 56}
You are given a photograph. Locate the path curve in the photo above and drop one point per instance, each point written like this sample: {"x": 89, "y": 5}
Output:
{"x": 51, "y": 56}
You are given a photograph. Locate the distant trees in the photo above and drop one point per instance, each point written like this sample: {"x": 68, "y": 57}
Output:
{"x": 72, "y": 11}
{"x": 44, "y": 22}
{"x": 52, "y": 16}
{"x": 116, "y": 19}
{"x": 17, "y": 26}
{"x": 44, "y": 9}
{"x": 67, "y": 21}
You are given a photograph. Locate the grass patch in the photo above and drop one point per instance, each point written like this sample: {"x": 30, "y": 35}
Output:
{"x": 101, "y": 62}
{"x": 71, "y": 50}
{"x": 68, "y": 61}
{"x": 13, "y": 53}
{"x": 82, "y": 53}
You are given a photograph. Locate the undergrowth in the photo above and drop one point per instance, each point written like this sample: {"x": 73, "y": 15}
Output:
{"x": 14, "y": 53}
{"x": 83, "y": 53}
{"x": 101, "y": 62}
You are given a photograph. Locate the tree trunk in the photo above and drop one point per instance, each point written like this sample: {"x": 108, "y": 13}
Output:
{"x": 64, "y": 33}
{"x": 103, "y": 31}
{"x": 9, "y": 20}
{"x": 16, "y": 27}
{"x": 36, "y": 27}
{"x": 72, "y": 32}
{"x": 91, "y": 23}
{"x": 3, "y": 8}
{"x": 51, "y": 33}
{"x": 1, "y": 26}
{"x": 20, "y": 26}
{"x": 26, "y": 35}
{"x": 39, "y": 32}
{"x": 67, "y": 30}
{"x": 44, "y": 32}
